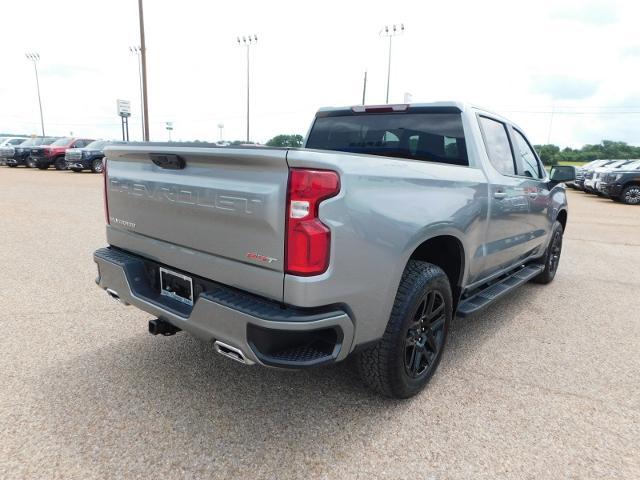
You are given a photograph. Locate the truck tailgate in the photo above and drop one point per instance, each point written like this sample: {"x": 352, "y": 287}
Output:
{"x": 221, "y": 216}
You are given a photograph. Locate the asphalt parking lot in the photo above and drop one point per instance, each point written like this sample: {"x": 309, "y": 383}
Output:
{"x": 543, "y": 384}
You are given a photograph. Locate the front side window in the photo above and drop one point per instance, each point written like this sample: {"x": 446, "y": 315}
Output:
{"x": 496, "y": 141}
{"x": 526, "y": 161}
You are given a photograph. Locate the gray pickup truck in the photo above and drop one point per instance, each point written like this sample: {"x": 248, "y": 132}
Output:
{"x": 391, "y": 220}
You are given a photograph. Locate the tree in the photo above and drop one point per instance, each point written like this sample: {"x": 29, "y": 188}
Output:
{"x": 285, "y": 141}
{"x": 607, "y": 149}
{"x": 548, "y": 153}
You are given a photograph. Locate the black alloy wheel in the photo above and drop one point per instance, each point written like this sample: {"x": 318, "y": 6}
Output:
{"x": 425, "y": 336}
{"x": 555, "y": 251}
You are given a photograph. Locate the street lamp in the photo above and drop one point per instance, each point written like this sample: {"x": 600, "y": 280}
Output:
{"x": 247, "y": 42}
{"x": 143, "y": 63}
{"x": 391, "y": 31}
{"x": 35, "y": 58}
{"x": 220, "y": 127}
{"x": 137, "y": 51}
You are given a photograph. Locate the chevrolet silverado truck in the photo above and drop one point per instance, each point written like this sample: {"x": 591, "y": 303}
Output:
{"x": 366, "y": 242}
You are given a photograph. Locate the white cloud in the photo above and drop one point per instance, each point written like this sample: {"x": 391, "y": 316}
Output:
{"x": 315, "y": 54}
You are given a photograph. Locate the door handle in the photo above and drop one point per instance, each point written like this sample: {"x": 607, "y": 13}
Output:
{"x": 499, "y": 195}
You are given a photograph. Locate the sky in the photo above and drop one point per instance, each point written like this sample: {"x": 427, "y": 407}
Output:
{"x": 524, "y": 60}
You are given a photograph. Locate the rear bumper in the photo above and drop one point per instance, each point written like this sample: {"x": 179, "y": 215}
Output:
{"x": 267, "y": 332}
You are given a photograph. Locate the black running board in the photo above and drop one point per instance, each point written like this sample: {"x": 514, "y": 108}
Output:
{"x": 481, "y": 299}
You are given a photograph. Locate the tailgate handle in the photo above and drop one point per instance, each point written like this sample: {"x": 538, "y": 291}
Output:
{"x": 172, "y": 162}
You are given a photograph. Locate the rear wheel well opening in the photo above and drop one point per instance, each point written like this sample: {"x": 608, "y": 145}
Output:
{"x": 562, "y": 218}
{"x": 447, "y": 253}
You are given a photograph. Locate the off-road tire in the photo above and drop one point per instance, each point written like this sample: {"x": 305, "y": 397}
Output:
{"x": 551, "y": 256}
{"x": 383, "y": 366}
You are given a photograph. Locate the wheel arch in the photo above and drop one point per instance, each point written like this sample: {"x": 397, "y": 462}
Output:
{"x": 447, "y": 252}
{"x": 562, "y": 218}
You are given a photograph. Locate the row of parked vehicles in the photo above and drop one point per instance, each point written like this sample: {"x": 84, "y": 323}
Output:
{"x": 62, "y": 153}
{"x": 615, "y": 179}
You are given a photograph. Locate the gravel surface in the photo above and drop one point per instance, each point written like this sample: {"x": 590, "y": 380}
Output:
{"x": 543, "y": 384}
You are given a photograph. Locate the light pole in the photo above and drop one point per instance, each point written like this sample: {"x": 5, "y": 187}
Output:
{"x": 391, "y": 31}
{"x": 137, "y": 52}
{"x": 220, "y": 127}
{"x": 35, "y": 58}
{"x": 143, "y": 67}
{"x": 247, "y": 42}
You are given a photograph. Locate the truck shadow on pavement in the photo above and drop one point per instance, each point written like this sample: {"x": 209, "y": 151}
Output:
{"x": 161, "y": 402}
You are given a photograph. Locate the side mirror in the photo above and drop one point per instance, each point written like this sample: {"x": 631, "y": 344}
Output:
{"x": 562, "y": 173}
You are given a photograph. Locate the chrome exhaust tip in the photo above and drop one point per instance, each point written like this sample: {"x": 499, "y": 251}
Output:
{"x": 231, "y": 352}
{"x": 113, "y": 294}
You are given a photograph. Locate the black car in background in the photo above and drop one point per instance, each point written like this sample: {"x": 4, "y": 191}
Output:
{"x": 23, "y": 151}
{"x": 623, "y": 184}
{"x": 87, "y": 158}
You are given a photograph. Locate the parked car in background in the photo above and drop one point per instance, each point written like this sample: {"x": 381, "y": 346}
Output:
{"x": 89, "y": 157}
{"x": 20, "y": 154}
{"x": 12, "y": 141}
{"x": 622, "y": 183}
{"x": 580, "y": 172}
{"x": 590, "y": 174}
{"x": 7, "y": 145}
{"x": 53, "y": 154}
{"x": 600, "y": 171}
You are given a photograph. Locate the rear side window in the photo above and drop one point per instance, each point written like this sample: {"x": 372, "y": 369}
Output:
{"x": 431, "y": 137}
{"x": 496, "y": 141}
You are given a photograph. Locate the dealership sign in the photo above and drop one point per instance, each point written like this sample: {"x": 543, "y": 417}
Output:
{"x": 124, "y": 108}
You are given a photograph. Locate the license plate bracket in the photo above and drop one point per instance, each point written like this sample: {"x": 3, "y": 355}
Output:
{"x": 176, "y": 286}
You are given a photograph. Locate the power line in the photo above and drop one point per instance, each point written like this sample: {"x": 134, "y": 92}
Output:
{"x": 557, "y": 112}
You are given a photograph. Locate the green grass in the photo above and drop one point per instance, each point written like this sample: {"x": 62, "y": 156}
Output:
{"x": 573, "y": 164}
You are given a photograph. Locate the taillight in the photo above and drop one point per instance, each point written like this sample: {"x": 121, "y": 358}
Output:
{"x": 308, "y": 239}
{"x": 104, "y": 190}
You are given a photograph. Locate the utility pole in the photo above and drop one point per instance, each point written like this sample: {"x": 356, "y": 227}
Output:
{"x": 247, "y": 42}
{"x": 143, "y": 62}
{"x": 137, "y": 51}
{"x": 364, "y": 88}
{"x": 35, "y": 58}
{"x": 391, "y": 31}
